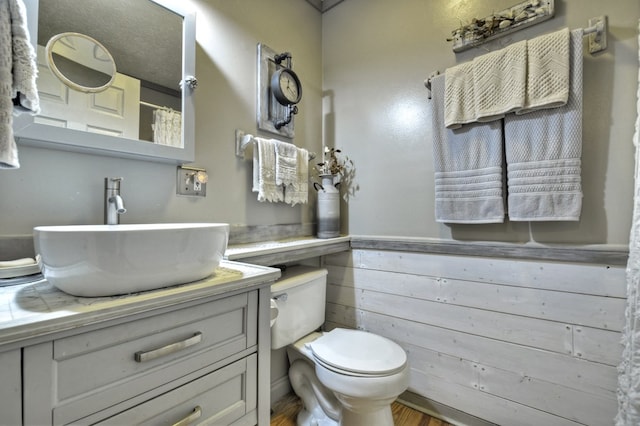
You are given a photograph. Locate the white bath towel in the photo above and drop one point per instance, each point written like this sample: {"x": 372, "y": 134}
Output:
{"x": 468, "y": 167}
{"x": 499, "y": 82}
{"x": 543, "y": 151}
{"x": 547, "y": 71}
{"x": 18, "y": 71}
{"x": 459, "y": 97}
{"x": 264, "y": 171}
{"x": 298, "y": 191}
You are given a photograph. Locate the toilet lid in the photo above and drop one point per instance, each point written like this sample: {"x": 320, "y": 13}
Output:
{"x": 358, "y": 352}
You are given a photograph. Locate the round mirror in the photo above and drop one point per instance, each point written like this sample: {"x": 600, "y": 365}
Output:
{"x": 81, "y": 62}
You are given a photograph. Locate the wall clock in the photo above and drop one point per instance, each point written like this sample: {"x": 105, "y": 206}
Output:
{"x": 286, "y": 87}
{"x": 279, "y": 92}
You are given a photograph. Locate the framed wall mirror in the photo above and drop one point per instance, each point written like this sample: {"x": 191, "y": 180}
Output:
{"x": 146, "y": 111}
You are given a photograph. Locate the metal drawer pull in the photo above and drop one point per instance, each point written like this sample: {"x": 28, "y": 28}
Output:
{"x": 169, "y": 349}
{"x": 195, "y": 415}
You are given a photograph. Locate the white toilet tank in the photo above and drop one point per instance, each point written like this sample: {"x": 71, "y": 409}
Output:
{"x": 301, "y": 311}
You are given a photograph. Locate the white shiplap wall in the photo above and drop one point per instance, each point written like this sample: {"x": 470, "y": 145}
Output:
{"x": 513, "y": 342}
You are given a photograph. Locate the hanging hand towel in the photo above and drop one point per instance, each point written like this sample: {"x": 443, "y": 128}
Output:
{"x": 264, "y": 175}
{"x": 167, "y": 127}
{"x": 499, "y": 82}
{"x": 543, "y": 151}
{"x": 459, "y": 97}
{"x": 18, "y": 71}
{"x": 468, "y": 167}
{"x": 298, "y": 192}
{"x": 25, "y": 68}
{"x": 547, "y": 71}
{"x": 286, "y": 163}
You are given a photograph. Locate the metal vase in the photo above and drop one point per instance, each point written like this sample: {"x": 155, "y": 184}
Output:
{"x": 328, "y": 207}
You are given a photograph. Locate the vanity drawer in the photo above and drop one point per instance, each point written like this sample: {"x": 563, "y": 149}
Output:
{"x": 219, "y": 398}
{"x": 102, "y": 368}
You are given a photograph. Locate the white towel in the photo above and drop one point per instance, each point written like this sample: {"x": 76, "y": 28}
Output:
{"x": 167, "y": 127}
{"x": 468, "y": 167}
{"x": 18, "y": 71}
{"x": 298, "y": 191}
{"x": 459, "y": 97}
{"x": 286, "y": 163}
{"x": 264, "y": 171}
{"x": 499, "y": 81}
{"x": 547, "y": 71}
{"x": 486, "y": 88}
{"x": 543, "y": 151}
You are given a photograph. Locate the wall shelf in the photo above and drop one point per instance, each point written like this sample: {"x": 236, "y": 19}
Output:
{"x": 499, "y": 24}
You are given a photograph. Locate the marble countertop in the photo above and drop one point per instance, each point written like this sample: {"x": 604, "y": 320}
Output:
{"x": 37, "y": 309}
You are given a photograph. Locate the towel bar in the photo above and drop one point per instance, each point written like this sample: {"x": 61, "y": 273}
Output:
{"x": 244, "y": 139}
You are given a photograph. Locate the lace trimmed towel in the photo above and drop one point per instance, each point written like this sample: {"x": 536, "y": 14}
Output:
{"x": 167, "y": 127}
{"x": 468, "y": 167}
{"x": 18, "y": 72}
{"x": 547, "y": 71}
{"x": 298, "y": 191}
{"x": 292, "y": 172}
{"x": 543, "y": 151}
{"x": 286, "y": 163}
{"x": 264, "y": 171}
{"x": 280, "y": 172}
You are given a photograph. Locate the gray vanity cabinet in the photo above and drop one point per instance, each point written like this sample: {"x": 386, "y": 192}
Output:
{"x": 10, "y": 388}
{"x": 196, "y": 362}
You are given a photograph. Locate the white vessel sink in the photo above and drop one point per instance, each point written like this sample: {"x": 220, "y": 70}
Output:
{"x": 107, "y": 260}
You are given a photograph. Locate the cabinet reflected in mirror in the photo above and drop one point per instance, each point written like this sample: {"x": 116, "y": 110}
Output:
{"x": 144, "y": 113}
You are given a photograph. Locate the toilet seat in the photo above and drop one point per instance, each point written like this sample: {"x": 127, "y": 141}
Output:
{"x": 358, "y": 353}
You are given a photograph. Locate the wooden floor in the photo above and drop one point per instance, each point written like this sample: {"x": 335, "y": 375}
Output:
{"x": 286, "y": 410}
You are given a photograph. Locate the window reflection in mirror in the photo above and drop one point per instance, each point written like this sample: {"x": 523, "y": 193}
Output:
{"x": 144, "y": 100}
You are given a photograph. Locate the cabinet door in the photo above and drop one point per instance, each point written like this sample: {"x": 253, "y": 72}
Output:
{"x": 10, "y": 388}
{"x": 219, "y": 398}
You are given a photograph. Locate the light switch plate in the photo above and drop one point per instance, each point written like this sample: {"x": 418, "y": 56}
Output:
{"x": 185, "y": 184}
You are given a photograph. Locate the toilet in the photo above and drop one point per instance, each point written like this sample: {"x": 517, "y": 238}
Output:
{"x": 343, "y": 376}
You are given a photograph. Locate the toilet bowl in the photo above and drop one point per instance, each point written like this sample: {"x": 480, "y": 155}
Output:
{"x": 343, "y": 376}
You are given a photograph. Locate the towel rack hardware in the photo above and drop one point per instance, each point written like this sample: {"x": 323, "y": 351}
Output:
{"x": 244, "y": 139}
{"x": 427, "y": 82}
{"x": 152, "y": 105}
{"x": 597, "y": 33}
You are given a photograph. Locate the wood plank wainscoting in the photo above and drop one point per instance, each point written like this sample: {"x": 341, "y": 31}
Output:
{"x": 508, "y": 336}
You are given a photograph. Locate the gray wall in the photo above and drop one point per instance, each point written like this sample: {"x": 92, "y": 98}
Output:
{"x": 56, "y": 187}
{"x": 376, "y": 55}
{"x": 362, "y": 64}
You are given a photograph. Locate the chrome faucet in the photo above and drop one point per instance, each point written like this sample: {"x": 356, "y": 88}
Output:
{"x": 113, "y": 204}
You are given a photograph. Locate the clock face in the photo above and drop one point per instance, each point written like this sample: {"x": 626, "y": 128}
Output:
{"x": 289, "y": 87}
{"x": 286, "y": 87}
